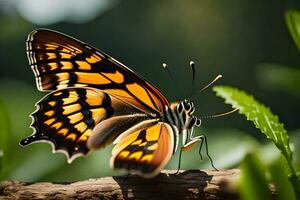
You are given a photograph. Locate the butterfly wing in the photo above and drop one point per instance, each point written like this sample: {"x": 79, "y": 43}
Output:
{"x": 59, "y": 61}
{"x": 145, "y": 151}
{"x": 66, "y": 119}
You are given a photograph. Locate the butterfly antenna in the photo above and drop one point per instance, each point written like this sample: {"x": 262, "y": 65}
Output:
{"x": 192, "y": 65}
{"x": 212, "y": 82}
{"x": 165, "y": 66}
{"x": 208, "y": 85}
{"x": 219, "y": 115}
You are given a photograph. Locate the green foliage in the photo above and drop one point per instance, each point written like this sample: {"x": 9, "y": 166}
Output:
{"x": 259, "y": 114}
{"x": 278, "y": 77}
{"x": 4, "y": 140}
{"x": 253, "y": 188}
{"x": 292, "y": 18}
{"x": 254, "y": 184}
{"x": 295, "y": 139}
{"x": 268, "y": 124}
{"x": 1, "y": 158}
{"x": 278, "y": 174}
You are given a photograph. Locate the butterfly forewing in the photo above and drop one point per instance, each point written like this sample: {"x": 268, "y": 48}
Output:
{"x": 146, "y": 151}
{"x": 59, "y": 61}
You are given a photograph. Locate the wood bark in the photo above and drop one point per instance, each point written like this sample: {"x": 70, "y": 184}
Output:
{"x": 191, "y": 184}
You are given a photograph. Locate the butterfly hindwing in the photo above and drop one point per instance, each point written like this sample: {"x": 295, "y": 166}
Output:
{"x": 59, "y": 61}
{"x": 145, "y": 151}
{"x": 66, "y": 118}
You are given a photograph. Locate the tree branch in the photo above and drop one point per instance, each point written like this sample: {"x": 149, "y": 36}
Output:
{"x": 192, "y": 184}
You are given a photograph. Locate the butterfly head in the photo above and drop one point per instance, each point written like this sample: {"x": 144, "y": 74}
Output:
{"x": 186, "y": 109}
{"x": 186, "y": 106}
{"x": 184, "y": 112}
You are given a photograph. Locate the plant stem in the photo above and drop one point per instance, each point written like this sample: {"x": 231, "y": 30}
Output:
{"x": 293, "y": 178}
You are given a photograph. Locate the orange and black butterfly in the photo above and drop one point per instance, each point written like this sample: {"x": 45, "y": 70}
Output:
{"x": 96, "y": 100}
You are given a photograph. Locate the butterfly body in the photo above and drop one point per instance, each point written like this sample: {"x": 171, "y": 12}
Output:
{"x": 96, "y": 100}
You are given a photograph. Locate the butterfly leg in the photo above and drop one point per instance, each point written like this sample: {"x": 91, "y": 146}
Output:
{"x": 179, "y": 161}
{"x": 188, "y": 143}
{"x": 202, "y": 139}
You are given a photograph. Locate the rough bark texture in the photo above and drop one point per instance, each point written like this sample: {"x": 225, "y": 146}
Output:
{"x": 192, "y": 184}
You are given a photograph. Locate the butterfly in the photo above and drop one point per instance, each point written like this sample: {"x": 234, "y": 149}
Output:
{"x": 95, "y": 100}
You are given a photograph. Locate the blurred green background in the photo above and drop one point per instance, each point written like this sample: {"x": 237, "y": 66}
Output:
{"x": 245, "y": 41}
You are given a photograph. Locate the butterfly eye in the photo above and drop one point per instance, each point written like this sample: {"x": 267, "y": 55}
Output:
{"x": 187, "y": 106}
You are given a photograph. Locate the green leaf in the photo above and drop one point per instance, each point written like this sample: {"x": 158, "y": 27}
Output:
{"x": 253, "y": 184}
{"x": 279, "y": 176}
{"x": 259, "y": 114}
{"x": 292, "y": 19}
{"x": 264, "y": 120}
{"x": 295, "y": 140}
